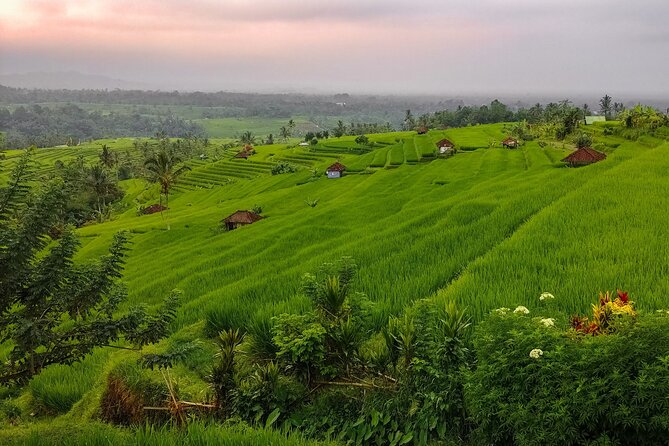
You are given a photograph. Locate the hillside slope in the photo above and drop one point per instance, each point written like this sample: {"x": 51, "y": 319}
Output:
{"x": 488, "y": 227}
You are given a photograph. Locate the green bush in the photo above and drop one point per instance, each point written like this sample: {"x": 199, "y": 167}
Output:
{"x": 283, "y": 167}
{"x": 538, "y": 384}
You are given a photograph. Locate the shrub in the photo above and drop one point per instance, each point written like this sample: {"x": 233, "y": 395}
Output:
{"x": 362, "y": 140}
{"x": 583, "y": 140}
{"x": 283, "y": 167}
{"x": 538, "y": 384}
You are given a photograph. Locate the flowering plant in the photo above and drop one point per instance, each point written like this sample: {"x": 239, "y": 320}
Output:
{"x": 536, "y": 353}
{"x": 604, "y": 314}
{"x": 548, "y": 322}
{"x": 546, "y": 296}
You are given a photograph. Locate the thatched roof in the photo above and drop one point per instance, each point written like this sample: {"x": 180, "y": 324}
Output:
{"x": 445, "y": 143}
{"x": 153, "y": 209}
{"x": 243, "y": 217}
{"x": 336, "y": 167}
{"x": 509, "y": 141}
{"x": 584, "y": 155}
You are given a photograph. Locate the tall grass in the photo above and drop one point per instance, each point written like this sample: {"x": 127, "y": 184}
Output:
{"x": 195, "y": 434}
{"x": 59, "y": 387}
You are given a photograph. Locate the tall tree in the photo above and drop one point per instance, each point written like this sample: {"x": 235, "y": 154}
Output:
{"x": 409, "y": 122}
{"x": 618, "y": 108}
{"x": 101, "y": 183}
{"x": 247, "y": 138}
{"x": 285, "y": 133}
{"x": 340, "y": 130}
{"x": 107, "y": 157}
{"x": 605, "y": 106}
{"x": 163, "y": 168}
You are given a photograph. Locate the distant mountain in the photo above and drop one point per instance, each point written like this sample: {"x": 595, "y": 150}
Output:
{"x": 71, "y": 80}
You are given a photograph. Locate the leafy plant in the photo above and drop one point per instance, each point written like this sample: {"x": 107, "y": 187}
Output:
{"x": 283, "y": 167}
{"x": 52, "y": 310}
{"x": 605, "y": 315}
{"x": 222, "y": 377}
{"x": 583, "y": 140}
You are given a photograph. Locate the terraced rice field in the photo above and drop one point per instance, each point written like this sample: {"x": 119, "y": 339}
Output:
{"x": 488, "y": 227}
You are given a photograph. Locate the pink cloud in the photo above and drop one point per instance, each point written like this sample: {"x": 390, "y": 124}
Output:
{"x": 201, "y": 29}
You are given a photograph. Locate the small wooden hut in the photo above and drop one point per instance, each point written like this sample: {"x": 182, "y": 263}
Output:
{"x": 584, "y": 156}
{"x": 241, "y": 218}
{"x": 422, "y": 130}
{"x": 510, "y": 143}
{"x": 336, "y": 170}
{"x": 445, "y": 146}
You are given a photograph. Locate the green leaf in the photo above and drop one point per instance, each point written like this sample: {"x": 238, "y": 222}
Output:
{"x": 406, "y": 438}
{"x": 273, "y": 416}
{"x": 375, "y": 418}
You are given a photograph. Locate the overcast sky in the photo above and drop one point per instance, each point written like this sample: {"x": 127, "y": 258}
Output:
{"x": 379, "y": 46}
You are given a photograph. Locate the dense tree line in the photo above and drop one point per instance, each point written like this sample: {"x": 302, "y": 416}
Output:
{"x": 69, "y": 124}
{"x": 226, "y": 104}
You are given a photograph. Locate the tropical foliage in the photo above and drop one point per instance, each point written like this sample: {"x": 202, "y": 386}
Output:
{"x": 53, "y": 311}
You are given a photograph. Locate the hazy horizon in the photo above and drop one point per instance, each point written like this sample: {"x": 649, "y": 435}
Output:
{"x": 492, "y": 47}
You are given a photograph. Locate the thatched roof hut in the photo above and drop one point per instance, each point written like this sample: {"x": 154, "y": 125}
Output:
{"x": 510, "y": 143}
{"x": 241, "y": 218}
{"x": 445, "y": 143}
{"x": 336, "y": 170}
{"x": 584, "y": 156}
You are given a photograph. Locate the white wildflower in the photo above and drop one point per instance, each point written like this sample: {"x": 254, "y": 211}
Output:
{"x": 546, "y": 296}
{"x": 548, "y": 322}
{"x": 536, "y": 353}
{"x": 502, "y": 310}
{"x": 521, "y": 310}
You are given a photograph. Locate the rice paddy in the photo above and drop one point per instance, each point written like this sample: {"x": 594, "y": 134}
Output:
{"x": 488, "y": 227}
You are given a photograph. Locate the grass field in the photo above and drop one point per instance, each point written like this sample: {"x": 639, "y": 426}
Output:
{"x": 488, "y": 227}
{"x": 234, "y": 127}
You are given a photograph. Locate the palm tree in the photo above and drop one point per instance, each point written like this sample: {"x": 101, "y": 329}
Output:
{"x": 605, "y": 106}
{"x": 285, "y": 133}
{"x": 107, "y": 157}
{"x": 162, "y": 169}
{"x": 247, "y": 138}
{"x": 99, "y": 181}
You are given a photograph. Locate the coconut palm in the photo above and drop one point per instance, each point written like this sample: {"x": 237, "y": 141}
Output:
{"x": 162, "y": 168}
{"x": 285, "y": 133}
{"x": 107, "y": 157}
{"x": 247, "y": 138}
{"x": 101, "y": 184}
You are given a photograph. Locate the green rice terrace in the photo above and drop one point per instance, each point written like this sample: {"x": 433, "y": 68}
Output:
{"x": 487, "y": 227}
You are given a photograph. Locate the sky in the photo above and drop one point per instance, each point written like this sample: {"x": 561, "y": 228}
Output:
{"x": 355, "y": 46}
